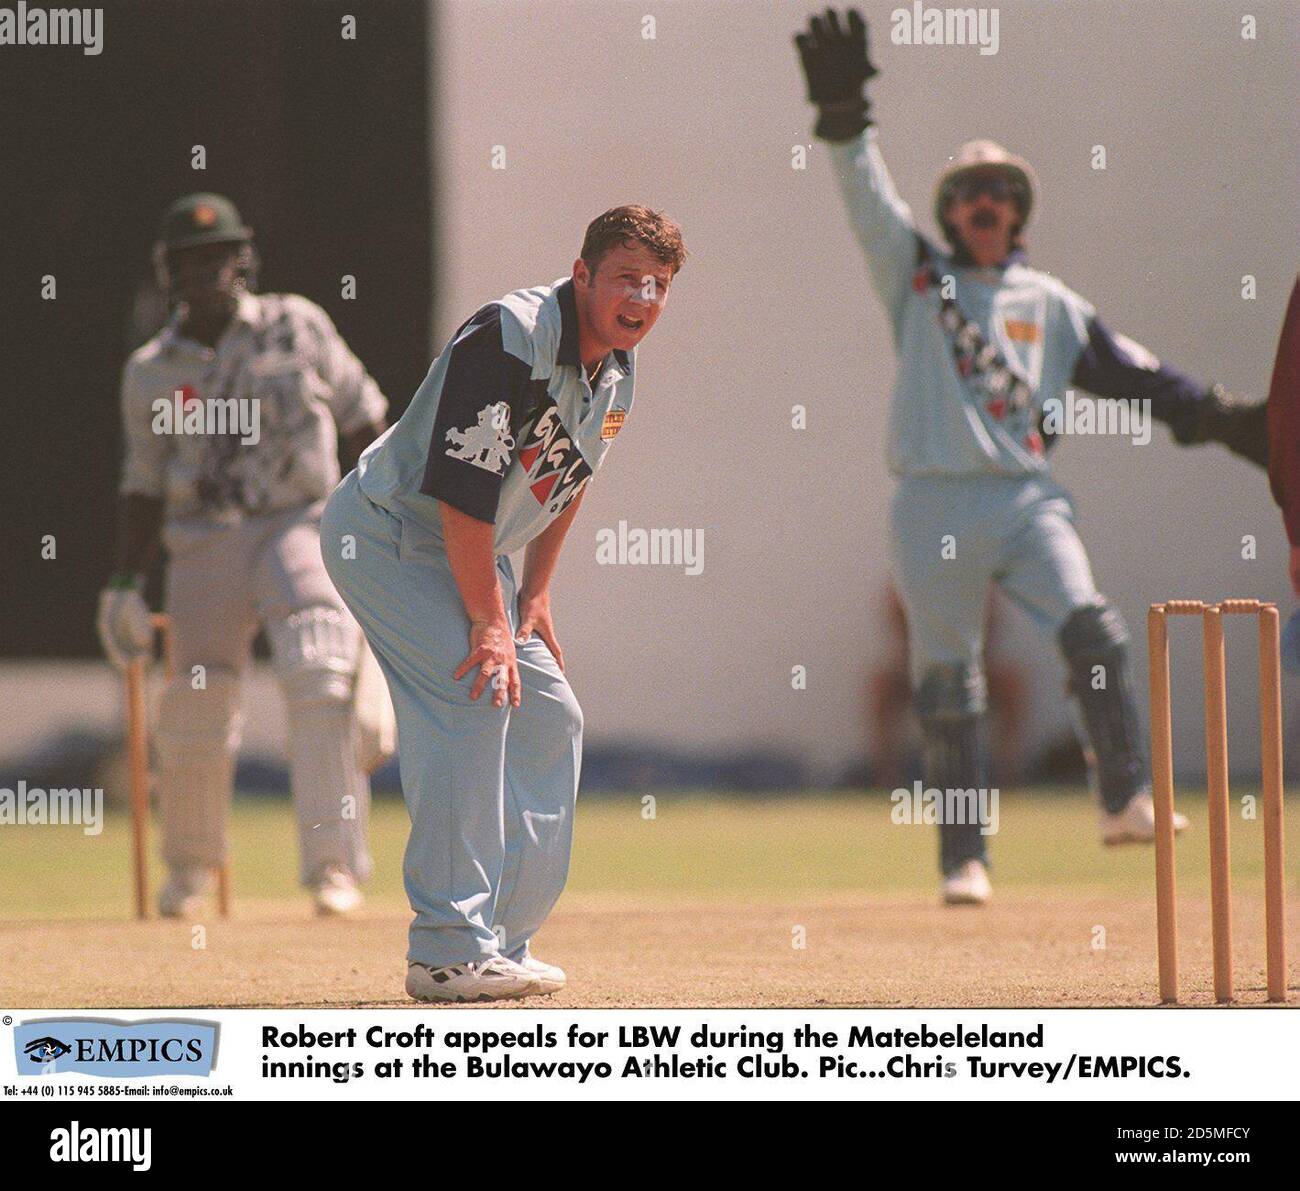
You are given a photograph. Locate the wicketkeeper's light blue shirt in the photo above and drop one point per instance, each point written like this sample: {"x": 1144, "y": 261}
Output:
{"x": 940, "y": 422}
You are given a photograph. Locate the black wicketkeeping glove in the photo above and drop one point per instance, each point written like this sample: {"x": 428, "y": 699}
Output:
{"x": 836, "y": 65}
{"x": 1239, "y": 424}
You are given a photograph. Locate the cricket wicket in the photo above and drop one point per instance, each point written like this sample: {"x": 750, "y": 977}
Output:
{"x": 137, "y": 744}
{"x": 1216, "y": 759}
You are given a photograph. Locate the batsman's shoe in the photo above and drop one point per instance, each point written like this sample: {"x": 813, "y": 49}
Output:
{"x": 182, "y": 894}
{"x": 1136, "y": 823}
{"x": 551, "y": 978}
{"x": 495, "y": 979}
{"x": 336, "y": 894}
{"x": 968, "y": 886}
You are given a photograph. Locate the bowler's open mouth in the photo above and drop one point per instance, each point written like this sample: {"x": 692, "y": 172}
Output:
{"x": 631, "y": 324}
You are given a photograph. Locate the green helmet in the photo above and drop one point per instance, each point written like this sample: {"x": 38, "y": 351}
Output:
{"x": 202, "y": 219}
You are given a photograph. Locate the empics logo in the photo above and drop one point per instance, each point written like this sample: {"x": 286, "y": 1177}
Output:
{"x": 83, "y": 1143}
{"x": 114, "y": 1049}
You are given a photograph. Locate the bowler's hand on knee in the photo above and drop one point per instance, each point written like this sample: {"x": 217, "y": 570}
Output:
{"x": 492, "y": 650}
{"x": 535, "y": 617}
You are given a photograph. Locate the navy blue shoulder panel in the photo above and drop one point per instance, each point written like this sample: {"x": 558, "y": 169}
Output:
{"x": 481, "y": 409}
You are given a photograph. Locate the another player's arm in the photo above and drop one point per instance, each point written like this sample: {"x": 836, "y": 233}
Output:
{"x": 1284, "y": 430}
{"x": 540, "y": 559}
{"x": 1114, "y": 366}
{"x": 351, "y": 445}
{"x": 123, "y": 622}
{"x": 835, "y": 62}
{"x": 139, "y": 528}
{"x": 471, "y": 552}
{"x": 358, "y": 406}
{"x": 141, "y": 502}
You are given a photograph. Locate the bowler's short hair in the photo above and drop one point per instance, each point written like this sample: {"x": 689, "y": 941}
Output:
{"x": 634, "y": 225}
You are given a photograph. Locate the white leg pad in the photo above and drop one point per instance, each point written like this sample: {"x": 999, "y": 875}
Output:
{"x": 196, "y": 740}
{"x": 315, "y": 656}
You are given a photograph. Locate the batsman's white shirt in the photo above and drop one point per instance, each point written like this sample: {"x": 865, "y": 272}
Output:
{"x": 280, "y": 351}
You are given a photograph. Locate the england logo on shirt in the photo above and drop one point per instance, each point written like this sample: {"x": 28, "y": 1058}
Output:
{"x": 486, "y": 444}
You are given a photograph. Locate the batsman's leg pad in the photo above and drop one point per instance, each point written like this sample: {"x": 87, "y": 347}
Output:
{"x": 951, "y": 701}
{"x": 1094, "y": 643}
{"x": 314, "y": 653}
{"x": 196, "y": 740}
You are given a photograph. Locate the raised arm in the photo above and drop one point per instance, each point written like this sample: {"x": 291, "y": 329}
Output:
{"x": 837, "y": 67}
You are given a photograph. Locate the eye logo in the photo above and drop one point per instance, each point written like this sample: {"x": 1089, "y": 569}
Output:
{"x": 46, "y": 1050}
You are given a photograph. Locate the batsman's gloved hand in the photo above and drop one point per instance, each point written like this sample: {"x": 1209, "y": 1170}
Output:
{"x": 1240, "y": 425}
{"x": 124, "y": 624}
{"x": 836, "y": 65}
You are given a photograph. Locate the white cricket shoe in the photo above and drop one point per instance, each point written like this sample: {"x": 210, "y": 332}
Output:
{"x": 968, "y": 886}
{"x": 495, "y": 979}
{"x": 182, "y": 893}
{"x": 1136, "y": 823}
{"x": 551, "y": 978}
{"x": 336, "y": 894}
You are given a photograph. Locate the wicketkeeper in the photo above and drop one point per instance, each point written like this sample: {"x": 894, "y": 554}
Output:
{"x": 491, "y": 457}
{"x": 232, "y": 417}
{"x": 983, "y": 342}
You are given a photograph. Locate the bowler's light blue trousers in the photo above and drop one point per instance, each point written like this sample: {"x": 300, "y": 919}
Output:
{"x": 490, "y": 791}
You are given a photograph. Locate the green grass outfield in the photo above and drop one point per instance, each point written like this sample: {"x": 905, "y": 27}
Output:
{"x": 696, "y": 846}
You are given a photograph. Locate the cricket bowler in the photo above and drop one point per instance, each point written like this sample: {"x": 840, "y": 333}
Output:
{"x": 983, "y": 342}
{"x": 233, "y": 418}
{"x": 492, "y": 457}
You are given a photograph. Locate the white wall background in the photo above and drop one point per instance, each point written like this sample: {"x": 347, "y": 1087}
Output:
{"x": 773, "y": 309}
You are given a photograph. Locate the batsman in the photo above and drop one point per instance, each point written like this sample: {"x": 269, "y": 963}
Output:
{"x": 983, "y": 341}
{"x": 233, "y": 418}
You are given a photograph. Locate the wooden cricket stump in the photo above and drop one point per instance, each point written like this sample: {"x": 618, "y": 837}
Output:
{"x": 1216, "y": 761}
{"x": 137, "y": 743}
